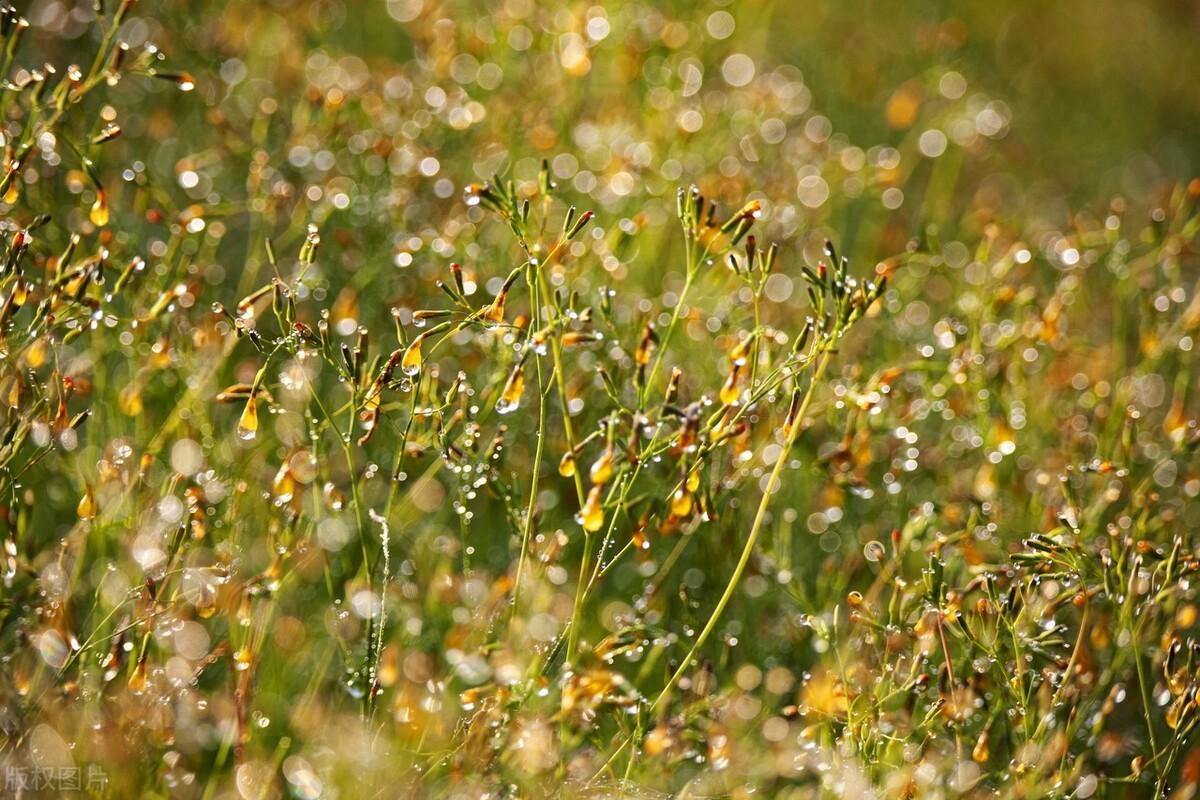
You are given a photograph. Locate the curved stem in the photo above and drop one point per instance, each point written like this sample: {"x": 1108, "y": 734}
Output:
{"x": 693, "y": 265}
{"x": 747, "y": 552}
{"x": 751, "y": 540}
{"x": 560, "y": 381}
{"x": 537, "y": 456}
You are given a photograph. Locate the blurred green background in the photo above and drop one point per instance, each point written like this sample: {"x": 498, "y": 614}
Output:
{"x": 1105, "y": 94}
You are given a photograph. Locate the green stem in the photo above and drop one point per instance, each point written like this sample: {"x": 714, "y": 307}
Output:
{"x": 752, "y": 539}
{"x": 537, "y": 456}
{"x": 560, "y": 383}
{"x": 666, "y": 340}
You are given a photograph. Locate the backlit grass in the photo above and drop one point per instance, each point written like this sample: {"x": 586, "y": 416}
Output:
{"x": 554, "y": 402}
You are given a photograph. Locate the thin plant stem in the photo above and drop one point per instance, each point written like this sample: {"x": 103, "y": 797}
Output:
{"x": 748, "y": 548}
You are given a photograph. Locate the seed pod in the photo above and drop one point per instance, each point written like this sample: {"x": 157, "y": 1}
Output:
{"x": 514, "y": 387}
{"x": 681, "y": 503}
{"x": 730, "y": 391}
{"x": 109, "y": 132}
{"x": 457, "y": 274}
{"x": 246, "y": 304}
{"x": 591, "y": 516}
{"x": 610, "y": 388}
{"x": 312, "y": 241}
{"x": 99, "y": 213}
{"x": 137, "y": 679}
{"x": 802, "y": 339}
{"x": 247, "y": 427}
{"x": 768, "y": 261}
{"x": 742, "y": 227}
{"x": 425, "y": 315}
{"x": 580, "y": 223}
{"x": 494, "y": 312}
{"x": 235, "y": 393}
{"x": 673, "y": 385}
{"x": 641, "y": 356}
{"x": 486, "y": 195}
{"x": 137, "y": 265}
{"x": 183, "y": 80}
{"x": 573, "y": 338}
{"x": 88, "y": 507}
{"x": 411, "y": 361}
{"x": 980, "y": 753}
{"x": 793, "y": 412}
{"x": 745, "y": 216}
{"x": 602, "y": 468}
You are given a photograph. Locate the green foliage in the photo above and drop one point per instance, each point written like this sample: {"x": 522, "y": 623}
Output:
{"x": 556, "y": 403}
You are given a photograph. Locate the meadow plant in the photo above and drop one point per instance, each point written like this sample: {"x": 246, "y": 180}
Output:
{"x": 567, "y": 408}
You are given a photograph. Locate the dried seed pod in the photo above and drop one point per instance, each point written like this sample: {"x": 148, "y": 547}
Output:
{"x": 602, "y": 468}
{"x": 681, "y": 503}
{"x": 247, "y": 427}
{"x": 730, "y": 391}
{"x": 514, "y": 387}
{"x": 494, "y": 311}
{"x": 591, "y": 516}
{"x": 641, "y": 356}
{"x": 411, "y": 361}
{"x": 99, "y": 212}
{"x": 88, "y": 507}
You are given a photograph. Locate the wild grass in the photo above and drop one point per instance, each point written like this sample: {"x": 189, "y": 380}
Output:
{"x": 571, "y": 410}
